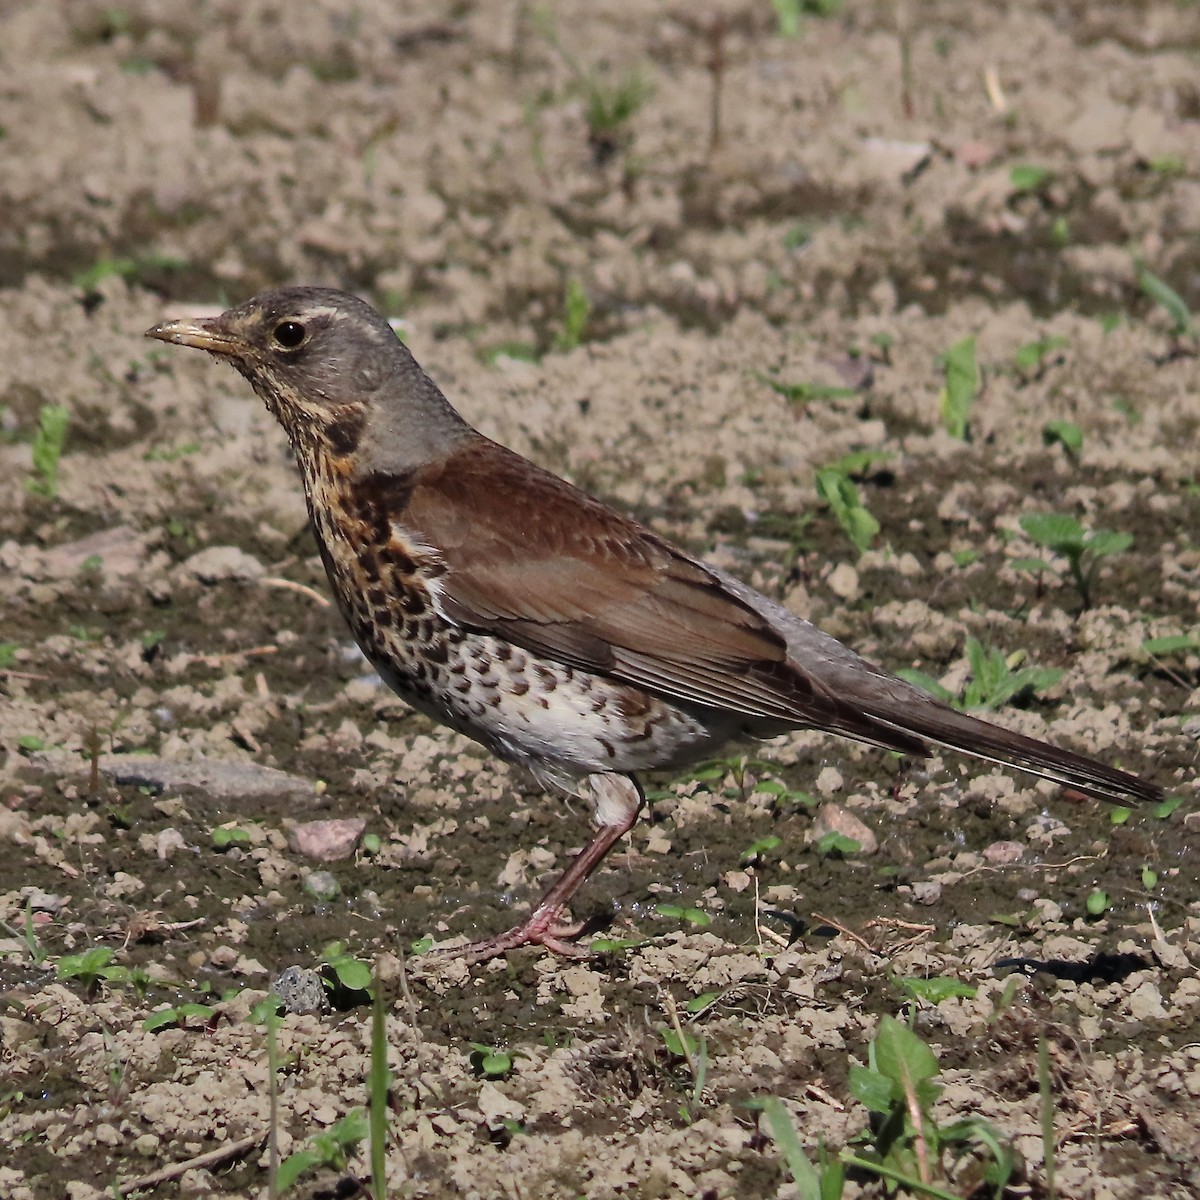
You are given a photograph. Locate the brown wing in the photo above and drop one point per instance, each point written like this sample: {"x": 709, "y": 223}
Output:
{"x": 533, "y": 560}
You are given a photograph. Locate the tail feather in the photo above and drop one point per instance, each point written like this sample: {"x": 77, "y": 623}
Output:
{"x": 935, "y": 722}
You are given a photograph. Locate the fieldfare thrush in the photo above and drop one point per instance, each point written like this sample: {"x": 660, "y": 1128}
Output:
{"x": 504, "y": 602}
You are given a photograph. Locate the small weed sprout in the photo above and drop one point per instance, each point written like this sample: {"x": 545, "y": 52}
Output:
{"x": 961, "y": 389}
{"x": 48, "y": 443}
{"x": 576, "y": 310}
{"x": 608, "y": 107}
{"x": 1030, "y": 359}
{"x": 1066, "y": 434}
{"x": 799, "y": 394}
{"x": 1183, "y": 324}
{"x": 995, "y": 679}
{"x": 907, "y": 1146}
{"x": 1083, "y": 550}
{"x": 837, "y": 489}
{"x": 329, "y": 1149}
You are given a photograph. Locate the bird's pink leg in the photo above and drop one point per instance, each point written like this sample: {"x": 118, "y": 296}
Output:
{"x": 618, "y": 800}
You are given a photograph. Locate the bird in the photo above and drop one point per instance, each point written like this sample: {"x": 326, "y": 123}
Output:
{"x": 566, "y": 637}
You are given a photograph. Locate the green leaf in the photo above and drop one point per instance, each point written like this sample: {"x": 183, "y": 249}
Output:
{"x": 1166, "y": 808}
{"x": 1167, "y": 298}
{"x": 1066, "y": 433}
{"x": 48, "y": 443}
{"x": 1172, "y": 644}
{"x": 870, "y": 1088}
{"x": 835, "y": 487}
{"x": 603, "y": 945}
{"x": 761, "y": 846}
{"x": 1104, "y": 543}
{"x": 926, "y": 683}
{"x": 1055, "y": 531}
{"x": 860, "y": 462}
{"x": 700, "y": 1003}
{"x": 802, "y": 393}
{"x": 962, "y": 386}
{"x": 492, "y": 1061}
{"x": 1030, "y": 566}
{"x": 681, "y": 1049}
{"x": 834, "y": 843}
{"x": 1120, "y": 814}
{"x": 1149, "y": 878}
{"x": 294, "y": 1166}
{"x": 1028, "y": 178}
{"x": 1097, "y": 903}
{"x": 901, "y": 1055}
{"x": 353, "y": 975}
{"x": 937, "y": 989}
{"x": 1031, "y": 354}
{"x": 783, "y": 1133}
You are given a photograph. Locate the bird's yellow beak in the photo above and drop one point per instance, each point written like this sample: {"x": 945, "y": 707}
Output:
{"x": 201, "y": 333}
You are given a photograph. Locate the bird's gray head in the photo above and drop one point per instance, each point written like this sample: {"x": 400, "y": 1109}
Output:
{"x": 326, "y": 363}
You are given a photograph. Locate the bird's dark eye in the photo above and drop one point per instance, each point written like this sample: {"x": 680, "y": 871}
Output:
{"x": 289, "y": 334}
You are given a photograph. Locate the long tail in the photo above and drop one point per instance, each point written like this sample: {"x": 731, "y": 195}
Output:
{"x": 932, "y": 721}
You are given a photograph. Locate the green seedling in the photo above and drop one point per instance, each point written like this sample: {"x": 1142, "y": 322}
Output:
{"x": 342, "y": 972}
{"x": 126, "y": 268}
{"x": 958, "y": 395}
{"x": 1097, "y": 903}
{"x": 1083, "y": 550}
{"x": 1149, "y": 878}
{"x": 905, "y": 1145}
{"x": 790, "y": 14}
{"x": 1169, "y": 300}
{"x": 31, "y": 743}
{"x": 493, "y": 1062}
{"x": 693, "y": 1049}
{"x": 1175, "y": 643}
{"x": 8, "y": 654}
{"x": 826, "y": 1180}
{"x": 695, "y": 916}
{"x": 799, "y": 394}
{"x": 837, "y": 845}
{"x": 1120, "y": 815}
{"x": 27, "y": 936}
{"x": 1066, "y": 434}
{"x": 837, "y": 489}
{"x": 741, "y": 769}
{"x": 179, "y": 1016}
{"x": 697, "y": 1004}
{"x": 330, "y": 1149}
{"x": 48, "y": 443}
{"x": 227, "y": 837}
{"x": 995, "y": 679}
{"x": 604, "y": 945}
{"x": 171, "y": 454}
{"x": 576, "y": 310}
{"x": 1160, "y": 812}
{"x": 760, "y": 847}
{"x": 92, "y": 969}
{"x": 1027, "y": 178}
{"x": 519, "y": 351}
{"x": 609, "y": 107}
{"x": 1032, "y": 356}
{"x": 937, "y": 989}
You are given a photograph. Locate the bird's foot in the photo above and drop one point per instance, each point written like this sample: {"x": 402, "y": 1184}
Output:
{"x": 541, "y": 928}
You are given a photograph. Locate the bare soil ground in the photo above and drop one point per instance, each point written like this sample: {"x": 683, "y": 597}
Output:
{"x": 687, "y": 311}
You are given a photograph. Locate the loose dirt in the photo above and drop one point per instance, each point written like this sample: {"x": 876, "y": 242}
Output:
{"x": 766, "y": 261}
